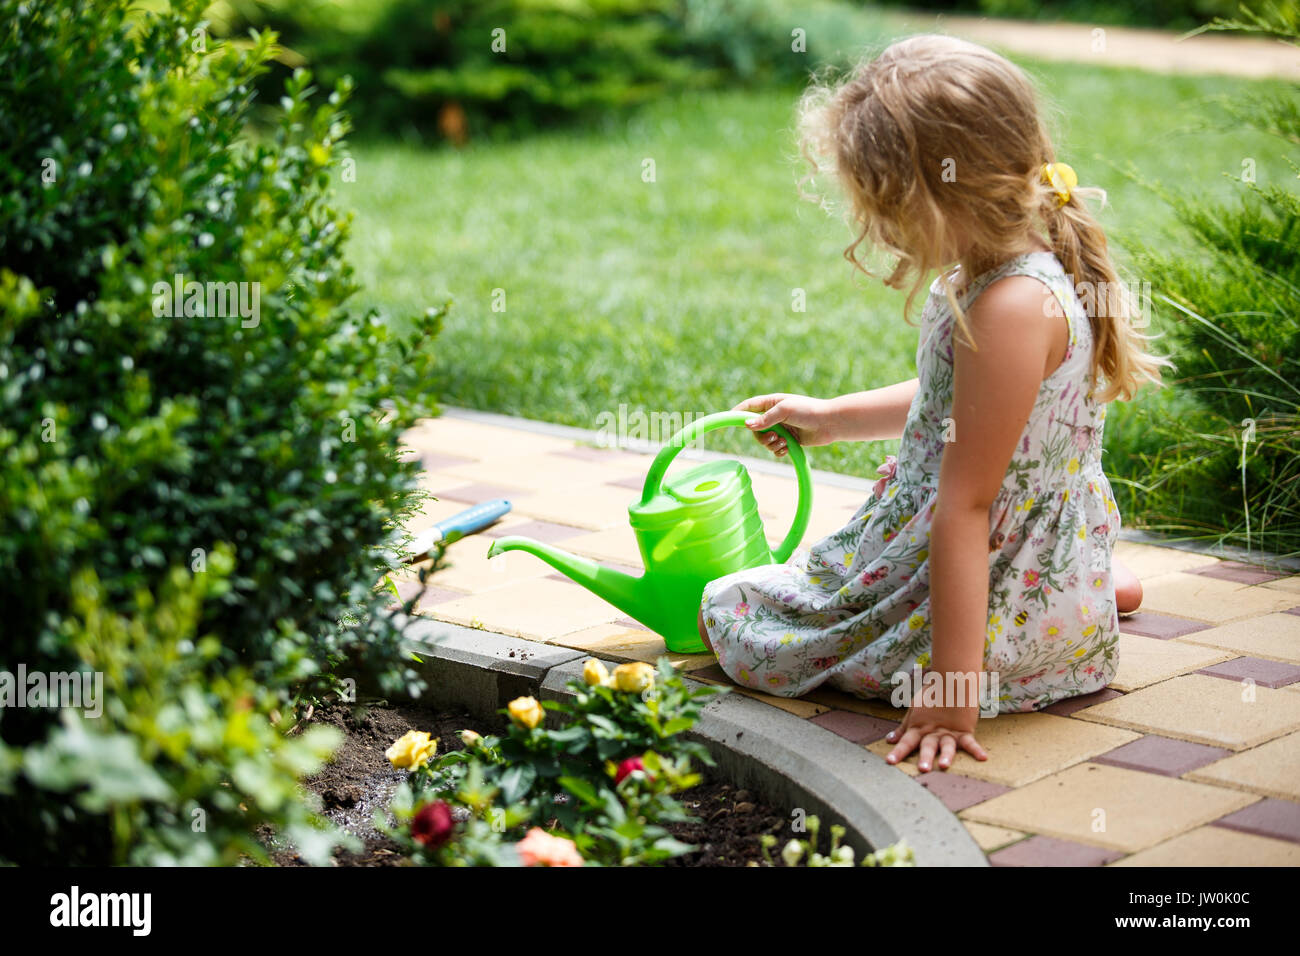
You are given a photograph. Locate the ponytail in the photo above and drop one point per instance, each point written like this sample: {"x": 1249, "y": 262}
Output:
{"x": 1121, "y": 361}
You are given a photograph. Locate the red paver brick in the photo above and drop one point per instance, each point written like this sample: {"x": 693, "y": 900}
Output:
{"x": 859, "y": 728}
{"x": 1263, "y": 672}
{"x": 958, "y": 792}
{"x": 1162, "y": 626}
{"x": 605, "y": 456}
{"x": 479, "y": 492}
{"x": 432, "y": 595}
{"x": 1049, "y": 851}
{"x": 548, "y": 532}
{"x": 1064, "y": 708}
{"x": 1162, "y": 755}
{"x": 1238, "y": 572}
{"x": 436, "y": 460}
{"x": 1279, "y": 819}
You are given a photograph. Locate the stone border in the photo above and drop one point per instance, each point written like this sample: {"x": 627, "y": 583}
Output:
{"x": 835, "y": 479}
{"x": 790, "y": 761}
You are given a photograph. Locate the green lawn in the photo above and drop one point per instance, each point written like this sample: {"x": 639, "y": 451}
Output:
{"x": 675, "y": 296}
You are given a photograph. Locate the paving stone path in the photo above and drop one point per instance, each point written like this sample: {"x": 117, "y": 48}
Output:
{"x": 1228, "y": 54}
{"x": 1190, "y": 757}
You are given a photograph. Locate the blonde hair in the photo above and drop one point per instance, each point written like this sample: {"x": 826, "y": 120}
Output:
{"x": 938, "y": 141}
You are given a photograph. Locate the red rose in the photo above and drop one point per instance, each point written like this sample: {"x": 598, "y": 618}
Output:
{"x": 628, "y": 766}
{"x": 432, "y": 826}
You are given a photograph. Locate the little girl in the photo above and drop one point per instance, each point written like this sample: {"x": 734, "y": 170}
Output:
{"x": 986, "y": 545}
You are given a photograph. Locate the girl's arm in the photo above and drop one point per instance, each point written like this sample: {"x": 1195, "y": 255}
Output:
{"x": 861, "y": 416}
{"x": 1019, "y": 340}
{"x": 875, "y": 415}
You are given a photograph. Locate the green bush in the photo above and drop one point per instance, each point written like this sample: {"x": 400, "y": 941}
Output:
{"x": 181, "y": 765}
{"x": 468, "y": 68}
{"x": 1220, "y": 459}
{"x": 136, "y": 437}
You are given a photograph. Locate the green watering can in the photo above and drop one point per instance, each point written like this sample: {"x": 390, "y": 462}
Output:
{"x": 699, "y": 526}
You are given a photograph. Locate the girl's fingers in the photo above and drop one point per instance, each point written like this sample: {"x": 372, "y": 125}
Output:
{"x": 773, "y": 414}
{"x": 759, "y": 403}
{"x": 925, "y": 760}
{"x": 947, "y": 750}
{"x": 906, "y": 744}
{"x": 972, "y": 747}
{"x": 897, "y": 732}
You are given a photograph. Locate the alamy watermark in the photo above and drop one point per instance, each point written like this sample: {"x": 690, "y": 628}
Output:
{"x": 178, "y": 298}
{"x": 949, "y": 689}
{"x": 616, "y": 429}
{"x": 80, "y": 690}
{"x": 1097, "y": 298}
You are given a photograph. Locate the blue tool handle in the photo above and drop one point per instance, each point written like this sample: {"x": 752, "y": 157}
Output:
{"x": 474, "y": 519}
{"x": 457, "y": 526}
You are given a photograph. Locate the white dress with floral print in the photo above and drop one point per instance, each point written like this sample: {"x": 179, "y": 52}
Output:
{"x": 853, "y": 610}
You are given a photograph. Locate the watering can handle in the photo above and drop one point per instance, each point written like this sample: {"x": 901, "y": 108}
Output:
{"x": 709, "y": 423}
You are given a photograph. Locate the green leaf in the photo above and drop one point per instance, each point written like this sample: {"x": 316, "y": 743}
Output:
{"x": 516, "y": 782}
{"x": 581, "y": 789}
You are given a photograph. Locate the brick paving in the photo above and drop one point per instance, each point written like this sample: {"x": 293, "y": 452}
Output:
{"x": 1191, "y": 757}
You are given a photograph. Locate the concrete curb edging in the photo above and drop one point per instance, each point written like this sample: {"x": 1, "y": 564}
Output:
{"x": 790, "y": 761}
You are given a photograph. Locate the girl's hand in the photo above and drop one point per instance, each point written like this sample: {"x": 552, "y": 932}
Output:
{"x": 936, "y": 729}
{"x": 808, "y": 419}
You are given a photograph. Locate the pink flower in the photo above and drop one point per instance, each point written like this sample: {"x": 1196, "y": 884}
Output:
{"x": 629, "y": 766}
{"x": 433, "y": 825}
{"x": 539, "y": 848}
{"x": 886, "y": 472}
{"x": 871, "y": 577}
{"x": 742, "y": 609}
{"x": 1052, "y": 628}
{"x": 776, "y": 680}
{"x": 1031, "y": 578}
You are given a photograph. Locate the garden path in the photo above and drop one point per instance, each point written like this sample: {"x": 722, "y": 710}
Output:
{"x": 1190, "y": 757}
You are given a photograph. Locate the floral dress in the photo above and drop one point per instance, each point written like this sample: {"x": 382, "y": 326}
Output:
{"x": 853, "y": 610}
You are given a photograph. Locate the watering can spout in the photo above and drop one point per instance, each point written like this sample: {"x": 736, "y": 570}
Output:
{"x": 633, "y": 596}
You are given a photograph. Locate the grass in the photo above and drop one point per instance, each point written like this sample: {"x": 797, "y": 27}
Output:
{"x": 676, "y": 295}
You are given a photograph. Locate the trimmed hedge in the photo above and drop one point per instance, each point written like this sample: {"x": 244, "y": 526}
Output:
{"x": 255, "y": 416}
{"x": 464, "y": 69}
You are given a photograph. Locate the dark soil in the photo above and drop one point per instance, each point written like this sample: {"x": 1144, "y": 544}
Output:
{"x": 360, "y": 781}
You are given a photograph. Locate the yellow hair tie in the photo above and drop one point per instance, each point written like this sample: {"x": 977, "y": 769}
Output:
{"x": 1062, "y": 178}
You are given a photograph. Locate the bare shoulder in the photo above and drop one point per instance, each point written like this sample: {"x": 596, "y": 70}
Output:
{"x": 1016, "y": 301}
{"x": 1021, "y": 313}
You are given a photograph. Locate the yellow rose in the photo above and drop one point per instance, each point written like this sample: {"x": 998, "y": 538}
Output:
{"x": 635, "y": 677}
{"x": 526, "y": 712}
{"x": 413, "y": 749}
{"x": 594, "y": 673}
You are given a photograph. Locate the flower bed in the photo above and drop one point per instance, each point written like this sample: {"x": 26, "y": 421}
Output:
{"x": 611, "y": 784}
